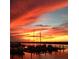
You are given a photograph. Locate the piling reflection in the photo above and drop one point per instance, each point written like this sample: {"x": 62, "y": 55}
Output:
{"x": 20, "y": 50}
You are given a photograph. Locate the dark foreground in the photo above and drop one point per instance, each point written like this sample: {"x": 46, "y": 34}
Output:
{"x": 41, "y": 56}
{"x": 38, "y": 51}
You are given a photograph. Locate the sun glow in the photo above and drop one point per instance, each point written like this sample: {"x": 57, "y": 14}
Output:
{"x": 47, "y": 39}
{"x": 35, "y": 37}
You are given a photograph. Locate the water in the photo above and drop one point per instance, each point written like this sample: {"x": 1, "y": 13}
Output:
{"x": 61, "y": 54}
{"x": 58, "y": 55}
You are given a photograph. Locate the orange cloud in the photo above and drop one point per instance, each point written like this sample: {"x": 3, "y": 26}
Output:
{"x": 55, "y": 33}
{"x": 30, "y": 16}
{"x": 25, "y": 12}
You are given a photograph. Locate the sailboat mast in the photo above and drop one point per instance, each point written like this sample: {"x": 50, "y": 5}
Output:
{"x": 40, "y": 37}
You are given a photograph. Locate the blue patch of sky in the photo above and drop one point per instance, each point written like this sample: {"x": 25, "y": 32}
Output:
{"x": 53, "y": 18}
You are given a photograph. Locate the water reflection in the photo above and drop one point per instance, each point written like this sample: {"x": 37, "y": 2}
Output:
{"x": 39, "y": 51}
{"x": 53, "y": 55}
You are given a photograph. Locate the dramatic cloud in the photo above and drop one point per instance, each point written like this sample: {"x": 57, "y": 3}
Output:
{"x": 24, "y": 12}
{"x": 46, "y": 33}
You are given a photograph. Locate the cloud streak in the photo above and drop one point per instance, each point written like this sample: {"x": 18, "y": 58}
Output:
{"x": 32, "y": 9}
{"x": 26, "y": 12}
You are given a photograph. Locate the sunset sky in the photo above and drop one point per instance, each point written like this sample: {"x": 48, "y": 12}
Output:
{"x": 30, "y": 17}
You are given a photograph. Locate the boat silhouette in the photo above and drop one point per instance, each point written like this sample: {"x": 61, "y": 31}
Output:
{"x": 19, "y": 49}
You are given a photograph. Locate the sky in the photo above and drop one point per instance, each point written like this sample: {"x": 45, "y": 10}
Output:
{"x": 29, "y": 18}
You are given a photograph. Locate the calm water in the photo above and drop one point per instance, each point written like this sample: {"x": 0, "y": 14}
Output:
{"x": 54, "y": 55}
{"x": 42, "y": 56}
